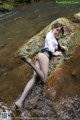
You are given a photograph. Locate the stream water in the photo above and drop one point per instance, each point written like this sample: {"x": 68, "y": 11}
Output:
{"x": 17, "y": 27}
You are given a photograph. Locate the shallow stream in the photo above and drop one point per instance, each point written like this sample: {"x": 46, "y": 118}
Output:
{"x": 17, "y": 27}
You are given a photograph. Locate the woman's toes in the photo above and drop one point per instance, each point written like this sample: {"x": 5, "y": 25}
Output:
{"x": 26, "y": 59}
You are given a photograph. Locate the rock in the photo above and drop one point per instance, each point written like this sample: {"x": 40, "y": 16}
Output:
{"x": 64, "y": 80}
{"x": 77, "y": 16}
{"x": 61, "y": 80}
{"x": 54, "y": 83}
{"x": 5, "y": 112}
{"x": 37, "y": 42}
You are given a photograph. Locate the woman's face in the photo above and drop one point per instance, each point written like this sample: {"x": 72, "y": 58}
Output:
{"x": 56, "y": 31}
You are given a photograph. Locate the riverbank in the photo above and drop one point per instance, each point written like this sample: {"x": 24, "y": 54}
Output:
{"x": 7, "y": 6}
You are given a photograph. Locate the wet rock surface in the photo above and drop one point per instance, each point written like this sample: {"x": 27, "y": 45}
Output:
{"x": 37, "y": 107}
{"x": 59, "y": 98}
{"x": 65, "y": 80}
{"x": 5, "y": 112}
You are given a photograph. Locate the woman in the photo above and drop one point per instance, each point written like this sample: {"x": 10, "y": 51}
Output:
{"x": 52, "y": 48}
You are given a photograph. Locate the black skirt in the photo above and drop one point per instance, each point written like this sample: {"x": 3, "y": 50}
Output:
{"x": 47, "y": 52}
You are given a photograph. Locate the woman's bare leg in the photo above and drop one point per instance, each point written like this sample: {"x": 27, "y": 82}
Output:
{"x": 41, "y": 67}
{"x": 44, "y": 65}
{"x": 19, "y": 102}
{"x": 38, "y": 71}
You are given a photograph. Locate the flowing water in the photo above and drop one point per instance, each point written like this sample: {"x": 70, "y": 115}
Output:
{"x": 16, "y": 28}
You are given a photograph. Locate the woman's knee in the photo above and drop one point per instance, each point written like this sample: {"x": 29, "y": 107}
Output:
{"x": 45, "y": 79}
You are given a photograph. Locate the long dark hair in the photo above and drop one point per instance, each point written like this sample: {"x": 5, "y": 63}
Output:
{"x": 57, "y": 25}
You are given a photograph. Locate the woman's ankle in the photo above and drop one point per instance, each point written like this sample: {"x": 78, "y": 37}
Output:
{"x": 19, "y": 104}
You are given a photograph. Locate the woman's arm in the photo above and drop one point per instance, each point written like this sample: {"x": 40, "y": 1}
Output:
{"x": 64, "y": 48}
{"x": 57, "y": 53}
{"x": 61, "y": 53}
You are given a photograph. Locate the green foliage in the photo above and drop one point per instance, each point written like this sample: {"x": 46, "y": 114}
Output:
{"x": 8, "y": 6}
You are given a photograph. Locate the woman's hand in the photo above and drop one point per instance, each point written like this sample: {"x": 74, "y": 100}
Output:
{"x": 65, "y": 48}
{"x": 57, "y": 53}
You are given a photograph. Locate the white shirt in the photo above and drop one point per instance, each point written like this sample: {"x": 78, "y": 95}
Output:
{"x": 51, "y": 42}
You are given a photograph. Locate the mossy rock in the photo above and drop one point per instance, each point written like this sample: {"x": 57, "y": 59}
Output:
{"x": 35, "y": 44}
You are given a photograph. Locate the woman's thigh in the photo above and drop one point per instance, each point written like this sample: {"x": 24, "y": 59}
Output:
{"x": 38, "y": 66}
{"x": 44, "y": 63}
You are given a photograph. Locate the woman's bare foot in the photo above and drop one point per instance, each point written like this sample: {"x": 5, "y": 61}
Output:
{"x": 26, "y": 59}
{"x": 18, "y": 104}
